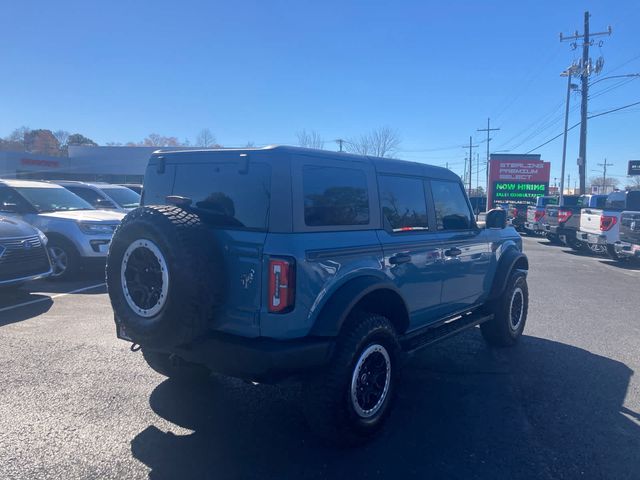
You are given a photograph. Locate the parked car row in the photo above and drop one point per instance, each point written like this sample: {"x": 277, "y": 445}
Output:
{"x": 603, "y": 224}
{"x": 56, "y": 229}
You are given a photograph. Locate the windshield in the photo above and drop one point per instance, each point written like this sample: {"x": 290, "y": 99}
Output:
{"x": 52, "y": 199}
{"x": 123, "y": 196}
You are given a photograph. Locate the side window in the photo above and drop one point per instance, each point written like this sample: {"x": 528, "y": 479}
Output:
{"x": 452, "y": 210}
{"x": 85, "y": 194}
{"x": 334, "y": 196}
{"x": 403, "y": 203}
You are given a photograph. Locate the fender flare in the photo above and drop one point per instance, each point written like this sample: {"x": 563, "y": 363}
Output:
{"x": 510, "y": 260}
{"x": 336, "y": 310}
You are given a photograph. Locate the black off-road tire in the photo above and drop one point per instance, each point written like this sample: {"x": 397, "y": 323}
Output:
{"x": 509, "y": 313}
{"x": 194, "y": 274}
{"x": 60, "y": 246}
{"x": 327, "y": 396}
{"x": 175, "y": 368}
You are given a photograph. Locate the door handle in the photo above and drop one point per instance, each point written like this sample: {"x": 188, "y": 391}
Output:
{"x": 452, "y": 252}
{"x": 399, "y": 258}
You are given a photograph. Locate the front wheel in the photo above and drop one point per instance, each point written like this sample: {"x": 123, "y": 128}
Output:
{"x": 509, "y": 313}
{"x": 350, "y": 400}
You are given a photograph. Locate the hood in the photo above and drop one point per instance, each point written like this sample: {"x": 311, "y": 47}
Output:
{"x": 10, "y": 228}
{"x": 86, "y": 215}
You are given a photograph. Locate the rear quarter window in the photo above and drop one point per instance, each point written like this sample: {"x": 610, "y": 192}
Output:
{"x": 334, "y": 196}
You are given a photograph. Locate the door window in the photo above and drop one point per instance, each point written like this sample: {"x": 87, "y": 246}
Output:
{"x": 403, "y": 203}
{"x": 452, "y": 209}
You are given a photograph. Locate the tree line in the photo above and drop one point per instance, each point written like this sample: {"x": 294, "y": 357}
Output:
{"x": 57, "y": 142}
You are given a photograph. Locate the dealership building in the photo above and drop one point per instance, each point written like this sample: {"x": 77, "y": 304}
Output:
{"x": 104, "y": 164}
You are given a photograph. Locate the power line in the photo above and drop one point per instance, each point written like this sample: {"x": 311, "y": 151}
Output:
{"x": 589, "y": 117}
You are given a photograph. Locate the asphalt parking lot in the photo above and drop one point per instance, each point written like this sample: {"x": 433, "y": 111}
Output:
{"x": 565, "y": 403}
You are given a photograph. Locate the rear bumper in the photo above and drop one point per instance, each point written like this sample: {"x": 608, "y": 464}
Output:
{"x": 627, "y": 249}
{"x": 257, "y": 359}
{"x": 533, "y": 226}
{"x": 592, "y": 238}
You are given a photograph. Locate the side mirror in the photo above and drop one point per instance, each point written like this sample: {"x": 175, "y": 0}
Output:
{"x": 9, "y": 207}
{"x": 104, "y": 203}
{"x": 496, "y": 218}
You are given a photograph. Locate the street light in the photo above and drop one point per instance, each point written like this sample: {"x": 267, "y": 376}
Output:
{"x": 567, "y": 73}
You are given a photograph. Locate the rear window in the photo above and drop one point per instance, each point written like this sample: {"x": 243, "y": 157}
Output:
{"x": 616, "y": 201}
{"x": 334, "y": 196}
{"x": 228, "y": 197}
{"x": 544, "y": 201}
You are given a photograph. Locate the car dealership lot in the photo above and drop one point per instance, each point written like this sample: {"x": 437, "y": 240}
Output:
{"x": 565, "y": 403}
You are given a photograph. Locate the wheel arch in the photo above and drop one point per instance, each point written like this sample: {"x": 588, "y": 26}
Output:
{"x": 511, "y": 260}
{"x": 367, "y": 293}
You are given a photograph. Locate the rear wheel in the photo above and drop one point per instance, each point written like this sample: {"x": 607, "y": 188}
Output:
{"x": 614, "y": 255}
{"x": 350, "y": 400}
{"x": 65, "y": 260}
{"x": 509, "y": 313}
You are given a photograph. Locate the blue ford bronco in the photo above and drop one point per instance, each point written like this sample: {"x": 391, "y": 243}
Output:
{"x": 289, "y": 263}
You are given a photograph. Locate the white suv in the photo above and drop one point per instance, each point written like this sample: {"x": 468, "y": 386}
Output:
{"x": 79, "y": 235}
{"x": 103, "y": 196}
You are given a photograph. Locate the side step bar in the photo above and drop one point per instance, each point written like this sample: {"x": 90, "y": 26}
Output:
{"x": 439, "y": 331}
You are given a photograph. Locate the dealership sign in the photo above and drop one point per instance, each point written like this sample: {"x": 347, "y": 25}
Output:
{"x": 517, "y": 178}
{"x": 634, "y": 167}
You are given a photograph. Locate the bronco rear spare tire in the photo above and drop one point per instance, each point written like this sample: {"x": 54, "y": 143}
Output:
{"x": 164, "y": 276}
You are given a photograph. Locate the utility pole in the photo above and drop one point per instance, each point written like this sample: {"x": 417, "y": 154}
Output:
{"x": 477, "y": 173}
{"x": 569, "y": 181}
{"x": 587, "y": 69}
{"x": 604, "y": 174}
{"x": 488, "y": 130}
{"x": 471, "y": 147}
{"x": 340, "y": 141}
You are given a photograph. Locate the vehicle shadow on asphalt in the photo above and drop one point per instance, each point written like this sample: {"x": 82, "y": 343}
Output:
{"x": 628, "y": 265}
{"x": 42, "y": 304}
{"x": 541, "y": 410}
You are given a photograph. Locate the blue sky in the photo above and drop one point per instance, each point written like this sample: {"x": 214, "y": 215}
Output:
{"x": 262, "y": 70}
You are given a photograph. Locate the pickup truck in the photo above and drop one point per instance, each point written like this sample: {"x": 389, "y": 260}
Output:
{"x": 517, "y": 215}
{"x": 535, "y": 214}
{"x": 567, "y": 229}
{"x": 628, "y": 245}
{"x": 600, "y": 227}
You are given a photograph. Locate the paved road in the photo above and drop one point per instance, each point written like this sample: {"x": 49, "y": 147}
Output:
{"x": 76, "y": 403}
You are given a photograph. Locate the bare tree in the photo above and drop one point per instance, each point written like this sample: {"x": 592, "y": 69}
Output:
{"x": 62, "y": 136}
{"x": 205, "y": 138}
{"x": 18, "y": 134}
{"x": 156, "y": 140}
{"x": 310, "y": 139}
{"x": 381, "y": 142}
{"x": 607, "y": 184}
{"x": 250, "y": 144}
{"x": 634, "y": 182}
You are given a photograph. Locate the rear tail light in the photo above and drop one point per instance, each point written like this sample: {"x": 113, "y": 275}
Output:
{"x": 514, "y": 212}
{"x": 282, "y": 285}
{"x": 607, "y": 222}
{"x": 564, "y": 215}
{"x": 538, "y": 216}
